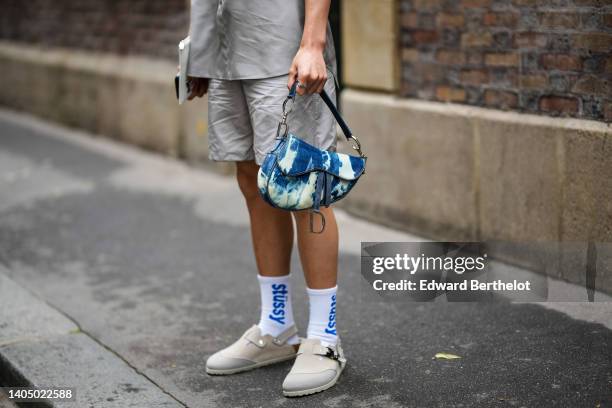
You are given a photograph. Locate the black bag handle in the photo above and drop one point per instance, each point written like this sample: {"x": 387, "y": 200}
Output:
{"x": 341, "y": 122}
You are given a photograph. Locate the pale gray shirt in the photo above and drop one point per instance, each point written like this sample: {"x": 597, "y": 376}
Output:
{"x": 247, "y": 39}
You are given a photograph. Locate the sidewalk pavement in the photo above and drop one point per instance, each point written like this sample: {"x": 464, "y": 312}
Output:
{"x": 122, "y": 271}
{"x": 5, "y": 402}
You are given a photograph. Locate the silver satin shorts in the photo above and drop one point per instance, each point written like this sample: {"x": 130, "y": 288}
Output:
{"x": 243, "y": 116}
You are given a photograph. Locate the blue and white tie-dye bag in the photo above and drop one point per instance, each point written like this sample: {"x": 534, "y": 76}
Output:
{"x": 296, "y": 175}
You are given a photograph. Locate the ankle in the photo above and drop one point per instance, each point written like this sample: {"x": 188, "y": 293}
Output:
{"x": 276, "y": 311}
{"x": 322, "y": 321}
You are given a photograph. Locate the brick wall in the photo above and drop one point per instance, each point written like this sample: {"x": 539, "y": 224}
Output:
{"x": 146, "y": 27}
{"x": 541, "y": 56}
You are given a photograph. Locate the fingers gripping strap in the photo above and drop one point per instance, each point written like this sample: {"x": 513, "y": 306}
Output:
{"x": 293, "y": 89}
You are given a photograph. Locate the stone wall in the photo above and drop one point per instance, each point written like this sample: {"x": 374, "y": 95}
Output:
{"x": 126, "y": 98}
{"x": 547, "y": 57}
{"x": 142, "y": 27}
{"x": 537, "y": 189}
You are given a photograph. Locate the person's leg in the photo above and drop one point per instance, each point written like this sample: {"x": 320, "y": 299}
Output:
{"x": 318, "y": 252}
{"x": 231, "y": 139}
{"x": 312, "y": 121}
{"x": 320, "y": 360}
{"x": 271, "y": 228}
{"x": 319, "y": 256}
{"x": 272, "y": 236}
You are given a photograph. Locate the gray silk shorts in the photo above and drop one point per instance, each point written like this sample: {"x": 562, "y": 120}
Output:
{"x": 243, "y": 117}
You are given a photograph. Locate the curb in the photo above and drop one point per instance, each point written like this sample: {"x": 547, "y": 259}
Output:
{"x": 41, "y": 347}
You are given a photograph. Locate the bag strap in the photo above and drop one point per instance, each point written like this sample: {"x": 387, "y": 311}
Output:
{"x": 341, "y": 122}
{"x": 345, "y": 128}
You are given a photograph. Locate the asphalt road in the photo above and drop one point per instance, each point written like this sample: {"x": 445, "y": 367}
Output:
{"x": 153, "y": 260}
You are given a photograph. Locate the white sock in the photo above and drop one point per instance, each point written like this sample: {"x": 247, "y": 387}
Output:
{"x": 276, "y": 310}
{"x": 322, "y": 321}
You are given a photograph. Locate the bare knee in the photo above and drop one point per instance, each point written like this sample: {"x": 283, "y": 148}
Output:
{"x": 246, "y": 174}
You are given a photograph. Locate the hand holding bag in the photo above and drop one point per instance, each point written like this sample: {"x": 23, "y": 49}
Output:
{"x": 298, "y": 176}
